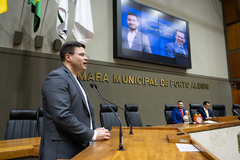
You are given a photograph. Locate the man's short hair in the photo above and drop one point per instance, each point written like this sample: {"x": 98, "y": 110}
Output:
{"x": 69, "y": 47}
{"x": 205, "y": 102}
{"x": 180, "y": 32}
{"x": 132, "y": 14}
{"x": 179, "y": 101}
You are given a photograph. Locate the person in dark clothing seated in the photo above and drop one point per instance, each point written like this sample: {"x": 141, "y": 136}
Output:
{"x": 205, "y": 111}
{"x": 178, "y": 113}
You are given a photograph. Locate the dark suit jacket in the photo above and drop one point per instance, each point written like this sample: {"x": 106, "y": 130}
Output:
{"x": 173, "y": 48}
{"x": 66, "y": 120}
{"x": 177, "y": 116}
{"x": 203, "y": 113}
{"x": 140, "y": 42}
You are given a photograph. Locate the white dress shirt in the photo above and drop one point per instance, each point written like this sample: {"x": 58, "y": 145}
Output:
{"x": 85, "y": 98}
{"x": 131, "y": 36}
{"x": 206, "y": 111}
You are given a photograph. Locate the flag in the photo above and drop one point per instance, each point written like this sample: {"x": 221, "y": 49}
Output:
{"x": 3, "y": 6}
{"x": 62, "y": 19}
{"x": 36, "y": 9}
{"x": 83, "y": 25}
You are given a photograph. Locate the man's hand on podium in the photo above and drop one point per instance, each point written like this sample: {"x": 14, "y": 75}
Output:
{"x": 102, "y": 134}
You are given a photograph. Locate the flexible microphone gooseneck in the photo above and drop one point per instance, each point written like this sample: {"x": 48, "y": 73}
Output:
{"x": 130, "y": 119}
{"x": 94, "y": 86}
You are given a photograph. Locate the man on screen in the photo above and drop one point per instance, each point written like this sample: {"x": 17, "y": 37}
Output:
{"x": 132, "y": 38}
{"x": 177, "y": 47}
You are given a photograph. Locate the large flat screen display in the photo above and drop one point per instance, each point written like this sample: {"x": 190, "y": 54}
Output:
{"x": 143, "y": 33}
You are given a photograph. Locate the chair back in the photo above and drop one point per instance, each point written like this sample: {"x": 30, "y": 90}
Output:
{"x": 236, "y": 110}
{"x": 22, "y": 124}
{"x": 107, "y": 117}
{"x": 168, "y": 112}
{"x": 132, "y": 115}
{"x": 218, "y": 110}
{"x": 193, "y": 109}
{"x": 40, "y": 121}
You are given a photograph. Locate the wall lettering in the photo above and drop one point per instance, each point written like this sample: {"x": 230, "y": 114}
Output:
{"x": 146, "y": 81}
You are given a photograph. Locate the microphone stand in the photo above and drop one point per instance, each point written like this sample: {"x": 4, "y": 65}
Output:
{"x": 130, "y": 119}
{"x": 120, "y": 131}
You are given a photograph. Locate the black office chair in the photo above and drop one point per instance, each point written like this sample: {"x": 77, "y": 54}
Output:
{"x": 236, "y": 110}
{"x": 132, "y": 115}
{"x": 193, "y": 109}
{"x": 168, "y": 112}
{"x": 40, "y": 121}
{"x": 22, "y": 124}
{"x": 107, "y": 117}
{"x": 218, "y": 110}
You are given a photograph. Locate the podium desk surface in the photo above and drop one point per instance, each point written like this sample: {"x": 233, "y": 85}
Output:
{"x": 145, "y": 143}
{"x": 230, "y": 121}
{"x": 17, "y": 148}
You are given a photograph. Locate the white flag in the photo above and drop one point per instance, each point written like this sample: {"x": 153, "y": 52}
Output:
{"x": 83, "y": 25}
{"x": 62, "y": 19}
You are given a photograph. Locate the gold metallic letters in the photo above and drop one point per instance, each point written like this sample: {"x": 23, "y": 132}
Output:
{"x": 137, "y": 80}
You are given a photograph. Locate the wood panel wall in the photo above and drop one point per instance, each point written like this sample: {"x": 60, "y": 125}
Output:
{"x": 231, "y": 9}
{"x": 233, "y": 36}
{"x": 232, "y": 23}
{"x": 235, "y": 93}
{"x": 234, "y": 58}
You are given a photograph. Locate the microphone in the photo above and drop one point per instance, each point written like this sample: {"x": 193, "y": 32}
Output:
{"x": 130, "y": 118}
{"x": 94, "y": 86}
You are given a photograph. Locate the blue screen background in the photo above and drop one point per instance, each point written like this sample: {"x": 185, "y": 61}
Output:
{"x": 159, "y": 31}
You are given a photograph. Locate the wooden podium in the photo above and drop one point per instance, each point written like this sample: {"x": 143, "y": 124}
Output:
{"x": 17, "y": 148}
{"x": 225, "y": 119}
{"x": 145, "y": 143}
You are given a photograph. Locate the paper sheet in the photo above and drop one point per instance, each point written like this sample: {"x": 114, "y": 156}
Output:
{"x": 209, "y": 121}
{"x": 186, "y": 147}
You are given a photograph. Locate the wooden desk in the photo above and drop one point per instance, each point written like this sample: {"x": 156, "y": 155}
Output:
{"x": 18, "y": 148}
{"x": 146, "y": 143}
{"x": 189, "y": 128}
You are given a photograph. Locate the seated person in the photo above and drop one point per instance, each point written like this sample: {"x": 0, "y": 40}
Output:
{"x": 178, "y": 113}
{"x": 205, "y": 111}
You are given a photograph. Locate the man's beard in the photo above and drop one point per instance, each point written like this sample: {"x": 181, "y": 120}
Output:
{"x": 132, "y": 29}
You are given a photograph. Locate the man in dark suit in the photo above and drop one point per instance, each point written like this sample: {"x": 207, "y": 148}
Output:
{"x": 205, "y": 111}
{"x": 178, "y": 113}
{"x": 177, "y": 47}
{"x": 132, "y": 38}
{"x": 68, "y": 116}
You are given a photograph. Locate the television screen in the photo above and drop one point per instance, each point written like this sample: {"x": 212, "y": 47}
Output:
{"x": 146, "y": 34}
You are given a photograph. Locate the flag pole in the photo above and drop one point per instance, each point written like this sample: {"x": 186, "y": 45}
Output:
{"x": 21, "y": 15}
{"x": 44, "y": 17}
